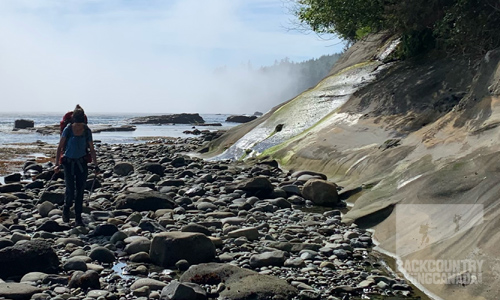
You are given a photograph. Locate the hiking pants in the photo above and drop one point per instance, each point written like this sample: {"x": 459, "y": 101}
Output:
{"x": 75, "y": 176}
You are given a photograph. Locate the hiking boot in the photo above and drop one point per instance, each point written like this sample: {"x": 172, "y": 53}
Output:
{"x": 65, "y": 215}
{"x": 79, "y": 222}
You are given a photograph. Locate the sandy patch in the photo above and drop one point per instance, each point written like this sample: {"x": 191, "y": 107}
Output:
{"x": 13, "y": 156}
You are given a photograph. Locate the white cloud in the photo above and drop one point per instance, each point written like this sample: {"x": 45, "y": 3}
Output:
{"x": 142, "y": 56}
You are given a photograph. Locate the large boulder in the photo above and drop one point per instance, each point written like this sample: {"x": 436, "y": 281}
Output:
{"x": 14, "y": 177}
{"x": 85, "y": 280}
{"x": 11, "y": 188}
{"x": 23, "y": 124}
{"x": 169, "y": 119}
{"x": 240, "y": 119}
{"x": 321, "y": 192}
{"x": 31, "y": 256}
{"x": 259, "y": 186}
{"x": 154, "y": 168}
{"x": 53, "y": 197}
{"x": 144, "y": 201}
{"x": 240, "y": 283}
{"x": 167, "y": 248}
{"x": 17, "y": 291}
{"x": 103, "y": 255}
{"x": 123, "y": 168}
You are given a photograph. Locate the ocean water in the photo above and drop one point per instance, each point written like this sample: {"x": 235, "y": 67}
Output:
{"x": 7, "y": 136}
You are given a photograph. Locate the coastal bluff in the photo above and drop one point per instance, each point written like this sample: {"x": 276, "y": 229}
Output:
{"x": 420, "y": 134}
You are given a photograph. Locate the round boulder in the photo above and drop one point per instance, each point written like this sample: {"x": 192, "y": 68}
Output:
{"x": 31, "y": 256}
{"x": 103, "y": 255}
{"x": 321, "y": 192}
{"x": 167, "y": 248}
{"x": 123, "y": 168}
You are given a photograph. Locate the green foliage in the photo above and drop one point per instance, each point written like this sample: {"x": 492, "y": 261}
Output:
{"x": 464, "y": 26}
{"x": 342, "y": 17}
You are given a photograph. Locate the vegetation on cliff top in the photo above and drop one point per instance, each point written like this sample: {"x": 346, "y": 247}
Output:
{"x": 458, "y": 26}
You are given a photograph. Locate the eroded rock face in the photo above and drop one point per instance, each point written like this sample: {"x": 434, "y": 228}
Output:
{"x": 169, "y": 119}
{"x": 167, "y": 248}
{"x": 30, "y": 256}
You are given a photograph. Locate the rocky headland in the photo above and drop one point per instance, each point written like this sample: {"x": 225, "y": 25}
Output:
{"x": 401, "y": 134}
{"x": 164, "y": 225}
{"x": 169, "y": 119}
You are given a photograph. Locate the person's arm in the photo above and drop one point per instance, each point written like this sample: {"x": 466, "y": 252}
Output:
{"x": 92, "y": 153}
{"x": 60, "y": 149}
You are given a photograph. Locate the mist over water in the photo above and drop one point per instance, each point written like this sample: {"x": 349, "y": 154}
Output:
{"x": 147, "y": 56}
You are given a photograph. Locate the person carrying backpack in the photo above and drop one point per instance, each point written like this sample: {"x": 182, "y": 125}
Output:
{"x": 75, "y": 139}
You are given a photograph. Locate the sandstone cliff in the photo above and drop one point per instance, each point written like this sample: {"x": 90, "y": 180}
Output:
{"x": 419, "y": 135}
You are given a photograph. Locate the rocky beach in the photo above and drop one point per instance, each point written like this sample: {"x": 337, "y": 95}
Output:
{"x": 161, "y": 223}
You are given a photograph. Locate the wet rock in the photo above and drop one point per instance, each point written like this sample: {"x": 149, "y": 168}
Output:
{"x": 17, "y": 291}
{"x": 31, "y": 256}
{"x": 321, "y": 192}
{"x": 144, "y": 201}
{"x": 169, "y": 247}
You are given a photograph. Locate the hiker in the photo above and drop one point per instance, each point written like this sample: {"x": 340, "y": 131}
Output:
{"x": 75, "y": 139}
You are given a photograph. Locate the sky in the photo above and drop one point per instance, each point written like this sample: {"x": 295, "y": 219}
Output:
{"x": 147, "y": 56}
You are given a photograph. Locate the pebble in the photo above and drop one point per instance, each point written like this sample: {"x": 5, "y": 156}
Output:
{"x": 251, "y": 214}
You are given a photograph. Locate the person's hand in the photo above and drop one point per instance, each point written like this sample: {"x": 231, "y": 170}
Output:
{"x": 57, "y": 169}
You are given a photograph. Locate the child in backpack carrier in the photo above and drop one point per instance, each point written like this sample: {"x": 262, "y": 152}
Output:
{"x": 76, "y": 138}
